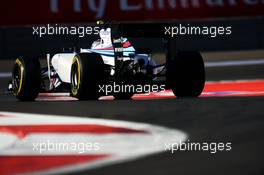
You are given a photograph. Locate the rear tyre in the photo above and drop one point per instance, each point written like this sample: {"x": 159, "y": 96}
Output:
{"x": 26, "y": 79}
{"x": 186, "y": 74}
{"x": 87, "y": 73}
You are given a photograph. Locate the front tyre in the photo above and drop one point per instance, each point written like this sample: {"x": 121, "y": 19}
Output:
{"x": 186, "y": 74}
{"x": 87, "y": 73}
{"x": 26, "y": 79}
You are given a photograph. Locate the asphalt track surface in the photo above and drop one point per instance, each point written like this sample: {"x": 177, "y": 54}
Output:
{"x": 239, "y": 120}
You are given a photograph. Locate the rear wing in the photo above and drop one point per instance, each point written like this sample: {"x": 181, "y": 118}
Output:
{"x": 142, "y": 30}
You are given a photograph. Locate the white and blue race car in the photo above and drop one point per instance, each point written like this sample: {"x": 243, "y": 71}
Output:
{"x": 110, "y": 60}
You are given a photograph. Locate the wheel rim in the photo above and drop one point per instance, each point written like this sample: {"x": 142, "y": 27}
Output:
{"x": 17, "y": 77}
{"x": 75, "y": 79}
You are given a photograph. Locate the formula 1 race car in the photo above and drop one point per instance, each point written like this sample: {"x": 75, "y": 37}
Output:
{"x": 111, "y": 60}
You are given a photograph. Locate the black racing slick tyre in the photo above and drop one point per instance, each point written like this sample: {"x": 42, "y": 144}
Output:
{"x": 26, "y": 79}
{"x": 186, "y": 74}
{"x": 87, "y": 73}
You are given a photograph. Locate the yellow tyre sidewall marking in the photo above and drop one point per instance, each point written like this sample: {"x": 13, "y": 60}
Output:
{"x": 19, "y": 63}
{"x": 76, "y": 60}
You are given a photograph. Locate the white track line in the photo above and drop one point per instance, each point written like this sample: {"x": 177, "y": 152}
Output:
{"x": 5, "y": 74}
{"x": 234, "y": 63}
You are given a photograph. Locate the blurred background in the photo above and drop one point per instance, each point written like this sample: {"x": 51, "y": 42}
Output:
{"x": 18, "y": 18}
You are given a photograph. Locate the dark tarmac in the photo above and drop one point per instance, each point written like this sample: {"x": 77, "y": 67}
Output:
{"x": 239, "y": 120}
